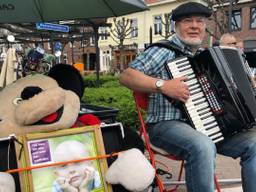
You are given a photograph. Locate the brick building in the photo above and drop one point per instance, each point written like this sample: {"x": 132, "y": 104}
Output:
{"x": 243, "y": 23}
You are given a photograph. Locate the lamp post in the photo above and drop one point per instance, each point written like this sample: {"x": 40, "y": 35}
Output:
{"x": 97, "y": 67}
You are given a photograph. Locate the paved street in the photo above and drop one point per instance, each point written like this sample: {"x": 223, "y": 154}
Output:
{"x": 227, "y": 171}
{"x": 232, "y": 189}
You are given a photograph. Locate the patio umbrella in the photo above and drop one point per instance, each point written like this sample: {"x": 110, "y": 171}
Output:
{"x": 25, "y": 11}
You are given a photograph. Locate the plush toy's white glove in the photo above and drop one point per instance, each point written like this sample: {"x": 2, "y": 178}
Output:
{"x": 7, "y": 183}
{"x": 132, "y": 170}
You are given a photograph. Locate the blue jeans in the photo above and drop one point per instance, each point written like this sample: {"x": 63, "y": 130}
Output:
{"x": 199, "y": 152}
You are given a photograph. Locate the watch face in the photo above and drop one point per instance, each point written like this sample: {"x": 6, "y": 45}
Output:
{"x": 159, "y": 83}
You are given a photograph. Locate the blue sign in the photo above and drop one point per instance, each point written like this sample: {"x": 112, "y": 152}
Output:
{"x": 57, "y": 46}
{"x": 52, "y": 27}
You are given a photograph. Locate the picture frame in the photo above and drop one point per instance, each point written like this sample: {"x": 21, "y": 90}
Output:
{"x": 59, "y": 161}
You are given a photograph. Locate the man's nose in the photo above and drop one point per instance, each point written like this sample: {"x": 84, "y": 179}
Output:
{"x": 194, "y": 23}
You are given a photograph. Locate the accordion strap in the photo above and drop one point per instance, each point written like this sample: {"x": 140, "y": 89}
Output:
{"x": 168, "y": 45}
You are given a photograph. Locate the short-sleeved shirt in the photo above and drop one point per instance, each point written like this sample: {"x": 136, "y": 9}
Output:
{"x": 152, "y": 62}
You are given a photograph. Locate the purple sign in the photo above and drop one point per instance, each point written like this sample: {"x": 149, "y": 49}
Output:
{"x": 40, "y": 152}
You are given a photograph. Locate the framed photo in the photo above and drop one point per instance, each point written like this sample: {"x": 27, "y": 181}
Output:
{"x": 61, "y": 161}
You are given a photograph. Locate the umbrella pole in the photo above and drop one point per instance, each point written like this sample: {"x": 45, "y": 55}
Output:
{"x": 96, "y": 35}
{"x": 72, "y": 52}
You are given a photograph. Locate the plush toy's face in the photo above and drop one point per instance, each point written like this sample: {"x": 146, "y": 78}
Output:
{"x": 49, "y": 109}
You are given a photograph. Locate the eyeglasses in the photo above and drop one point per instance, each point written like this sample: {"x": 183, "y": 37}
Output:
{"x": 233, "y": 43}
{"x": 188, "y": 21}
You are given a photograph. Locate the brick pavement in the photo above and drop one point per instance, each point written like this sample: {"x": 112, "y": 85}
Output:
{"x": 227, "y": 170}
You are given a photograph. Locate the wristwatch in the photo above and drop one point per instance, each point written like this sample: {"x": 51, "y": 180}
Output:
{"x": 159, "y": 83}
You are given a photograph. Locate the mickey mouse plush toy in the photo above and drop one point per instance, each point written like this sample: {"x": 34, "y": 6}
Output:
{"x": 41, "y": 103}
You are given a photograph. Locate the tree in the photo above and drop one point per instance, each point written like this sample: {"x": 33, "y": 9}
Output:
{"x": 222, "y": 16}
{"x": 121, "y": 31}
{"x": 167, "y": 23}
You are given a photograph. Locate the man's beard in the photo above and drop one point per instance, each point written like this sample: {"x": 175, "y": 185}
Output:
{"x": 191, "y": 43}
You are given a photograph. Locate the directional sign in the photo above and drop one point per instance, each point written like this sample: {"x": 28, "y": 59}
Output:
{"x": 52, "y": 27}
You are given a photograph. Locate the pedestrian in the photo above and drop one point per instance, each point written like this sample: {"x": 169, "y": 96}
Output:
{"x": 228, "y": 39}
{"x": 240, "y": 44}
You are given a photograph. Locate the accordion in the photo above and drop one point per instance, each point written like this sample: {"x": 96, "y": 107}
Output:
{"x": 222, "y": 97}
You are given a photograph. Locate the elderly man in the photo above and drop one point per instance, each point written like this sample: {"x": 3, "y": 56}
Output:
{"x": 240, "y": 45}
{"x": 228, "y": 39}
{"x": 167, "y": 124}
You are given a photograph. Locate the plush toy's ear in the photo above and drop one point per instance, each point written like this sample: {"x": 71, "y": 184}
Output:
{"x": 68, "y": 77}
{"x": 132, "y": 170}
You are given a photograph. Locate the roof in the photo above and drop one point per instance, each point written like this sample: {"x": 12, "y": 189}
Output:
{"x": 151, "y": 1}
{"x": 158, "y": 2}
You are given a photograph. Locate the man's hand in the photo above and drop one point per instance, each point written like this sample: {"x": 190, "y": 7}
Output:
{"x": 176, "y": 89}
{"x": 64, "y": 185}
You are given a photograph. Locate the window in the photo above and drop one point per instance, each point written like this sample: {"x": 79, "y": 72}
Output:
{"x": 92, "y": 41}
{"x": 106, "y": 60}
{"x": 170, "y": 22}
{"x": 103, "y": 33}
{"x": 84, "y": 43}
{"x": 134, "y": 28}
{"x": 236, "y": 21}
{"x": 172, "y": 26}
{"x": 253, "y": 18}
{"x": 70, "y": 44}
{"x": 157, "y": 25}
{"x": 65, "y": 58}
{"x": 49, "y": 45}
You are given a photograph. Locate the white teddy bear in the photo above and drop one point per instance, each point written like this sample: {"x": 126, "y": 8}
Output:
{"x": 7, "y": 183}
{"x": 132, "y": 170}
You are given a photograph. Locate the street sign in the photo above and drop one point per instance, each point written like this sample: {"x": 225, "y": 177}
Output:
{"x": 57, "y": 46}
{"x": 52, "y": 27}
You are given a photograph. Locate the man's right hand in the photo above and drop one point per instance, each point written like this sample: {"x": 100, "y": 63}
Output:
{"x": 176, "y": 89}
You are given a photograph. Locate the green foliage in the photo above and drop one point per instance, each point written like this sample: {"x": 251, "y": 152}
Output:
{"x": 112, "y": 94}
{"x": 112, "y": 84}
{"x": 90, "y": 80}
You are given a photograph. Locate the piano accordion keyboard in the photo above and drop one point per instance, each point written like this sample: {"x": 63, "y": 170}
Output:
{"x": 197, "y": 106}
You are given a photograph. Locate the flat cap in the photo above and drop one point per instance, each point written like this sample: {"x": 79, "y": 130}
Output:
{"x": 190, "y": 8}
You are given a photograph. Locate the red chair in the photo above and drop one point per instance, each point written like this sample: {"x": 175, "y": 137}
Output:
{"x": 141, "y": 101}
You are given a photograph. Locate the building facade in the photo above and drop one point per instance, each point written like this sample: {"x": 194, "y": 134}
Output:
{"x": 146, "y": 27}
{"x": 150, "y": 26}
{"x": 243, "y": 26}
{"x": 243, "y": 20}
